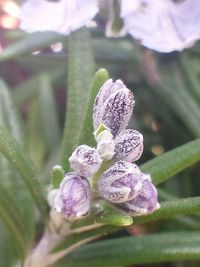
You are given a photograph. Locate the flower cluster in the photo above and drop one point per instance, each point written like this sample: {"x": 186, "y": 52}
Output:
{"x": 73, "y": 199}
{"x": 123, "y": 184}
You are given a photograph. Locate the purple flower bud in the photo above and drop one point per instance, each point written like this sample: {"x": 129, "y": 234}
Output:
{"x": 105, "y": 91}
{"x": 113, "y": 106}
{"x": 73, "y": 198}
{"x": 129, "y": 145}
{"x": 120, "y": 183}
{"x": 85, "y": 160}
{"x": 145, "y": 202}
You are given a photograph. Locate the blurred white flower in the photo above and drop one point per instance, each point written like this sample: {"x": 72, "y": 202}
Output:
{"x": 162, "y": 25}
{"x": 62, "y": 16}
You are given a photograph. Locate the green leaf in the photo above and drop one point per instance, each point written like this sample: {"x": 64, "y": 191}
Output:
{"x": 172, "y": 208}
{"x": 80, "y": 73}
{"x": 30, "y": 43}
{"x": 179, "y": 100}
{"x": 28, "y": 89}
{"x": 114, "y": 218}
{"x": 109, "y": 216}
{"x": 9, "y": 179}
{"x": 36, "y": 143}
{"x": 86, "y": 134}
{"x": 9, "y": 250}
{"x": 11, "y": 149}
{"x": 170, "y": 163}
{"x": 190, "y": 70}
{"x": 57, "y": 175}
{"x": 137, "y": 250}
{"x": 48, "y": 114}
{"x": 9, "y": 115}
{"x": 11, "y": 216}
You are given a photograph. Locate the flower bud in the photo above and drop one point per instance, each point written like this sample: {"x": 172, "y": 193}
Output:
{"x": 120, "y": 183}
{"x": 105, "y": 145}
{"x": 145, "y": 202}
{"x": 85, "y": 160}
{"x": 113, "y": 106}
{"x": 73, "y": 198}
{"x": 129, "y": 145}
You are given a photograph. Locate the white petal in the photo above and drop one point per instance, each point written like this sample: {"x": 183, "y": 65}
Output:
{"x": 162, "y": 25}
{"x": 62, "y": 16}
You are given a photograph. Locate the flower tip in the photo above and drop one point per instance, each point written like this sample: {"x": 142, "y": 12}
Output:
{"x": 113, "y": 106}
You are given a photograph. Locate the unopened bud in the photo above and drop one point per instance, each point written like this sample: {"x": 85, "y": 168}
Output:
{"x": 129, "y": 145}
{"x": 113, "y": 106}
{"x": 73, "y": 198}
{"x": 145, "y": 202}
{"x": 105, "y": 145}
{"x": 120, "y": 183}
{"x": 85, "y": 160}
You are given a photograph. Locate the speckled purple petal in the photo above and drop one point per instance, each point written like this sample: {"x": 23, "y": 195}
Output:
{"x": 113, "y": 106}
{"x": 144, "y": 203}
{"x": 117, "y": 111}
{"x": 129, "y": 145}
{"x": 73, "y": 198}
{"x": 120, "y": 182}
{"x": 104, "y": 93}
{"x": 85, "y": 160}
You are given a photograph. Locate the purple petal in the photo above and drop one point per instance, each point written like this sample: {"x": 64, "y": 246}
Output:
{"x": 129, "y": 145}
{"x": 73, "y": 198}
{"x": 85, "y": 160}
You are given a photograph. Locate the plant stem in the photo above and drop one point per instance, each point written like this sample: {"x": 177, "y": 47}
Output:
{"x": 56, "y": 256}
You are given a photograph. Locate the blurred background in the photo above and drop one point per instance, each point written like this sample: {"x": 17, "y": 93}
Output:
{"x": 166, "y": 89}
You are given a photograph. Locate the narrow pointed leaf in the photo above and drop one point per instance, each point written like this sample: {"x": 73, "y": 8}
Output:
{"x": 190, "y": 71}
{"x": 80, "y": 73}
{"x": 9, "y": 249}
{"x": 36, "y": 142}
{"x": 128, "y": 251}
{"x": 9, "y": 115}
{"x": 10, "y": 181}
{"x": 28, "y": 89}
{"x": 170, "y": 163}
{"x": 179, "y": 100}
{"x": 12, "y": 219}
{"x": 110, "y": 216}
{"x": 48, "y": 114}
{"x": 171, "y": 209}
{"x": 30, "y": 43}
{"x": 10, "y": 148}
{"x": 86, "y": 134}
